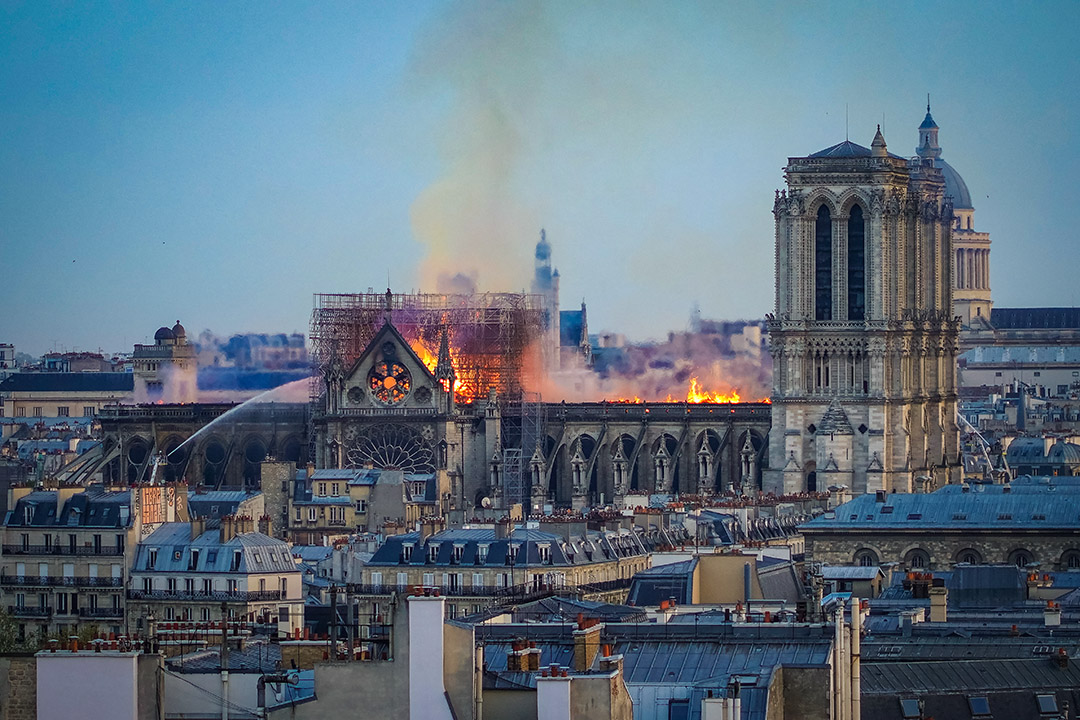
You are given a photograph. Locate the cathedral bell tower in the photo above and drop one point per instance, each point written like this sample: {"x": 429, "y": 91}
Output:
{"x": 863, "y": 338}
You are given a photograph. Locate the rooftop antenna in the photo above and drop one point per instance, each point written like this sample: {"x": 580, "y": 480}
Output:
{"x": 928, "y": 103}
{"x": 846, "y": 138}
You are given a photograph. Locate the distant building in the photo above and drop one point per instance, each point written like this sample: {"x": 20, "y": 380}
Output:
{"x": 166, "y": 370}
{"x": 39, "y": 395}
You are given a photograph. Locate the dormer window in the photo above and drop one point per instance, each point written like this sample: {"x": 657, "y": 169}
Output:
{"x": 459, "y": 551}
{"x": 334, "y": 489}
{"x": 28, "y": 514}
{"x": 481, "y": 553}
{"x": 237, "y": 555}
{"x": 193, "y": 563}
{"x": 152, "y": 560}
{"x": 545, "y": 553}
{"x": 322, "y": 488}
{"x": 406, "y": 552}
{"x": 433, "y": 552}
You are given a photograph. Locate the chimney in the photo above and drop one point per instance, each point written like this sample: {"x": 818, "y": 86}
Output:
{"x": 198, "y": 527}
{"x": 1062, "y": 658}
{"x": 517, "y": 660}
{"x": 939, "y": 599}
{"x": 553, "y": 695}
{"x": 266, "y": 525}
{"x": 879, "y": 496}
{"x": 310, "y": 470}
{"x": 429, "y": 526}
{"x": 586, "y": 643}
{"x": 228, "y": 528}
{"x": 427, "y": 691}
{"x": 1052, "y": 614}
{"x": 503, "y": 528}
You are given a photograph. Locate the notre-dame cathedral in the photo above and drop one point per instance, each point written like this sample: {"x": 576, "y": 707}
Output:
{"x": 864, "y": 340}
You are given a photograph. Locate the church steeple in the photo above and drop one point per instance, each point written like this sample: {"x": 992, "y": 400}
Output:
{"x": 928, "y": 142}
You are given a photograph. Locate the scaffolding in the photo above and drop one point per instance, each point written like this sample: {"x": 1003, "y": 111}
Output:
{"x": 523, "y": 428}
{"x": 494, "y": 337}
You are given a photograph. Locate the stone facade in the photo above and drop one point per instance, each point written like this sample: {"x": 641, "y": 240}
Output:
{"x": 1053, "y": 549}
{"x": 18, "y": 687}
{"x": 863, "y": 338}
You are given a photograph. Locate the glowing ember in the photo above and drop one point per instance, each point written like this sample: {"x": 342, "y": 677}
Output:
{"x": 429, "y": 360}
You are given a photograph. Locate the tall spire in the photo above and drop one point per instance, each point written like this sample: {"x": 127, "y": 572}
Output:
{"x": 444, "y": 367}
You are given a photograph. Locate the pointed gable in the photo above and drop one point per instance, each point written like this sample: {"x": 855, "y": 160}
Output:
{"x": 389, "y": 373}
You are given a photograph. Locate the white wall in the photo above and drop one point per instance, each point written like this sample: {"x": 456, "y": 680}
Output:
{"x": 87, "y": 685}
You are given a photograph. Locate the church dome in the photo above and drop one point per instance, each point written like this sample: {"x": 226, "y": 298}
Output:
{"x": 178, "y": 331}
{"x": 164, "y": 333}
{"x": 954, "y": 185}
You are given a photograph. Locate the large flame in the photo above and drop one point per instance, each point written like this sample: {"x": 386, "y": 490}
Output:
{"x": 697, "y": 394}
{"x": 430, "y": 361}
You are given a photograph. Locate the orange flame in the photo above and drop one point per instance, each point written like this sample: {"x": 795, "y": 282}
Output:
{"x": 697, "y": 394}
{"x": 430, "y": 361}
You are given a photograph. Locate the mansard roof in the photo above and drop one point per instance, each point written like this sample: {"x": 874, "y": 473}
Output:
{"x": 259, "y": 553}
{"x": 951, "y": 508}
{"x": 93, "y": 508}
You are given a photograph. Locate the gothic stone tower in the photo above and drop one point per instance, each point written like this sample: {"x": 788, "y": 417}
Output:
{"x": 863, "y": 338}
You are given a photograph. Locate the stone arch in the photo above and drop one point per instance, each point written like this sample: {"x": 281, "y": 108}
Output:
{"x": 849, "y": 199}
{"x": 253, "y": 450}
{"x": 1070, "y": 560}
{"x": 292, "y": 448}
{"x": 176, "y": 455}
{"x": 866, "y": 557}
{"x": 214, "y": 452}
{"x": 818, "y": 197}
{"x": 136, "y": 456}
{"x": 968, "y": 555}
{"x": 1021, "y": 557}
{"x": 917, "y": 558}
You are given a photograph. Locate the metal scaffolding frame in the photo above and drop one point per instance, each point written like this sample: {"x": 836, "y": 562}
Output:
{"x": 492, "y": 335}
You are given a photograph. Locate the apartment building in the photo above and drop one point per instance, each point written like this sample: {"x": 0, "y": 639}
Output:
{"x": 65, "y": 558}
{"x": 188, "y": 571}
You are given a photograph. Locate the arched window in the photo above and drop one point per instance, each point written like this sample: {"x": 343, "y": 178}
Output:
{"x": 823, "y": 265}
{"x": 866, "y": 558}
{"x": 917, "y": 560}
{"x": 1021, "y": 558}
{"x": 856, "y": 269}
{"x": 969, "y": 556}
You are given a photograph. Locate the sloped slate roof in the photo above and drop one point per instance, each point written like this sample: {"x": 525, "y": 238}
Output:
{"x": 953, "y": 510}
{"x": 1054, "y": 318}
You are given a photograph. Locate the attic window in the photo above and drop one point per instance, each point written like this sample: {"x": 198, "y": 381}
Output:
{"x": 854, "y": 516}
{"x": 887, "y": 509}
{"x": 959, "y": 516}
{"x": 909, "y": 708}
{"x": 1038, "y": 516}
{"x": 979, "y": 706}
{"x": 914, "y": 516}
{"x": 1005, "y": 516}
{"x": 1047, "y": 704}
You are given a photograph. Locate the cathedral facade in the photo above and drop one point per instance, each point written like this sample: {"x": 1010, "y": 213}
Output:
{"x": 863, "y": 337}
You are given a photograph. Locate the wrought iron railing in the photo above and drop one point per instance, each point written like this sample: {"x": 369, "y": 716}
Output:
{"x": 58, "y": 581}
{"x": 62, "y": 550}
{"x": 213, "y": 595}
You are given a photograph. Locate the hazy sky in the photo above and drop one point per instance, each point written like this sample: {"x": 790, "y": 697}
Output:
{"x": 219, "y": 162}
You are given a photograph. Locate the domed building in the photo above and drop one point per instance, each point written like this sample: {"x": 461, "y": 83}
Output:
{"x": 166, "y": 371}
{"x": 971, "y": 249}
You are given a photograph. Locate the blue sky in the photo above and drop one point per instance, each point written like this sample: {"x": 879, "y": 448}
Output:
{"x": 220, "y": 162}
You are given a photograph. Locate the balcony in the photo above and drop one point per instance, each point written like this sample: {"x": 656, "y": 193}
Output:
{"x": 102, "y": 613}
{"x": 22, "y": 611}
{"x": 104, "y": 550}
{"x": 213, "y": 596}
{"x": 57, "y": 581}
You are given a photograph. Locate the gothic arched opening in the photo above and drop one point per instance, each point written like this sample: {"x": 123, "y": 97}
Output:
{"x": 823, "y": 265}
{"x": 856, "y": 269}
